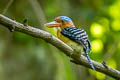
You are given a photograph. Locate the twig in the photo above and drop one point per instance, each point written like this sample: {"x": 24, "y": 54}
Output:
{"x": 7, "y": 6}
{"x": 38, "y": 11}
{"x": 9, "y": 23}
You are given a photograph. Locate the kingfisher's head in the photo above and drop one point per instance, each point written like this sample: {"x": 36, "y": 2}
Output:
{"x": 61, "y": 21}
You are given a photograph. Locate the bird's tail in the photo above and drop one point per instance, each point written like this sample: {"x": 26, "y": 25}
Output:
{"x": 89, "y": 60}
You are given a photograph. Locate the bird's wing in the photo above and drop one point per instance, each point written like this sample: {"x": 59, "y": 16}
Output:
{"x": 77, "y": 35}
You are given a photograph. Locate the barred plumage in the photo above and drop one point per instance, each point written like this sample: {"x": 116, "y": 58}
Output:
{"x": 68, "y": 32}
{"x": 80, "y": 37}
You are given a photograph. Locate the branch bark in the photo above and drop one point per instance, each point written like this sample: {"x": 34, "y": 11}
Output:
{"x": 80, "y": 60}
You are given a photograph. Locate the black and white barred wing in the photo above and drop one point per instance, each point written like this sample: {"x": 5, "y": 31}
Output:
{"x": 77, "y": 35}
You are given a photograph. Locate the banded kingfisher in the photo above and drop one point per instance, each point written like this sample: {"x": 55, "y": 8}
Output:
{"x": 72, "y": 36}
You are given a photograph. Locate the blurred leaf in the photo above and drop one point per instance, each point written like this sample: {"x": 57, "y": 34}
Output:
{"x": 97, "y": 46}
{"x": 116, "y": 25}
{"x": 100, "y": 76}
{"x": 112, "y": 63}
{"x": 97, "y": 30}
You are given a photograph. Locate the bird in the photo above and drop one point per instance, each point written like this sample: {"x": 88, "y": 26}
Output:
{"x": 71, "y": 35}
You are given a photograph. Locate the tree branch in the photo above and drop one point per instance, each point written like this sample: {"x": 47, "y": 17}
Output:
{"x": 80, "y": 60}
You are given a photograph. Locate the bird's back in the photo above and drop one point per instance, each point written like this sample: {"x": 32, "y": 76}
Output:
{"x": 77, "y": 35}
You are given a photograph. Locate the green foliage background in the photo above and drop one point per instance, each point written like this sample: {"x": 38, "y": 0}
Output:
{"x": 23, "y": 57}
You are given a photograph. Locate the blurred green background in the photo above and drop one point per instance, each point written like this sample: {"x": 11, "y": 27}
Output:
{"x": 23, "y": 57}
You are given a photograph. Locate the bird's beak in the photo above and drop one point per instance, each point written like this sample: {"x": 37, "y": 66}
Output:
{"x": 52, "y": 24}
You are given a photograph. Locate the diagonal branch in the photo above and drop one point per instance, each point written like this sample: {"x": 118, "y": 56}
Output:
{"x": 13, "y": 25}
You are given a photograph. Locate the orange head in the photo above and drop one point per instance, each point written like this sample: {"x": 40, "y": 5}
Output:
{"x": 61, "y": 21}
